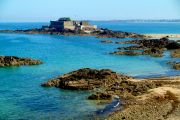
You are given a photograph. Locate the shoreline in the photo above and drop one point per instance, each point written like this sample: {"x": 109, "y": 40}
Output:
{"x": 140, "y": 98}
{"x": 162, "y": 35}
{"x": 150, "y": 96}
{"x": 161, "y": 102}
{"x": 100, "y": 33}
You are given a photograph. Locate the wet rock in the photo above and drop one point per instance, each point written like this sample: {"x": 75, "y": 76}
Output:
{"x": 175, "y": 53}
{"x": 175, "y": 65}
{"x": 155, "y": 52}
{"x": 136, "y": 47}
{"x": 173, "y": 45}
{"x": 128, "y": 87}
{"x": 16, "y": 61}
{"x": 152, "y": 47}
{"x": 100, "y": 96}
{"x": 106, "y": 33}
{"x": 130, "y": 53}
{"x": 101, "y": 33}
{"x": 86, "y": 79}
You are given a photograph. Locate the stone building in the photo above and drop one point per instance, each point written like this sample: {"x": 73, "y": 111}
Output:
{"x": 62, "y": 24}
{"x": 67, "y": 24}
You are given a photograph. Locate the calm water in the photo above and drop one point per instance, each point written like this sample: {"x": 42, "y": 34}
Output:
{"x": 22, "y": 97}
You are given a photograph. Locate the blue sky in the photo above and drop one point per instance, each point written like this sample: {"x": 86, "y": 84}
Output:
{"x": 45, "y": 10}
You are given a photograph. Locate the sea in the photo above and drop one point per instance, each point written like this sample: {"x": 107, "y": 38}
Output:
{"x": 21, "y": 94}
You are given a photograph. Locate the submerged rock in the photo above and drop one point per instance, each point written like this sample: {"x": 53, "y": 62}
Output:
{"x": 16, "y": 61}
{"x": 106, "y": 41}
{"x": 175, "y": 53}
{"x": 130, "y": 53}
{"x": 100, "y": 96}
{"x": 86, "y": 79}
{"x": 176, "y": 66}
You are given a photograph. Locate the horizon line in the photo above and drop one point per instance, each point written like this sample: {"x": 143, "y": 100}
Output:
{"x": 135, "y": 20}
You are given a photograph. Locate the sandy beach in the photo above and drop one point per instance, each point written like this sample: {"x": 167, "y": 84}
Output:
{"x": 162, "y": 35}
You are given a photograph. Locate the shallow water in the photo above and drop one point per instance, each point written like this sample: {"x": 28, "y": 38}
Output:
{"x": 22, "y": 97}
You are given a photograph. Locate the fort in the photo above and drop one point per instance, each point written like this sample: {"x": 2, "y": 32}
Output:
{"x": 66, "y": 23}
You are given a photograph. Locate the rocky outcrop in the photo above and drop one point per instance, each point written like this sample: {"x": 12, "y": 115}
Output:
{"x": 106, "y": 33}
{"x": 133, "y": 88}
{"x": 86, "y": 79}
{"x": 152, "y": 47}
{"x": 154, "y": 52}
{"x": 16, "y": 61}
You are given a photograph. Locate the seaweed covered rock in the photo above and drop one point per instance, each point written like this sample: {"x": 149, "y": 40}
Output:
{"x": 106, "y": 33}
{"x": 132, "y": 87}
{"x": 100, "y": 96}
{"x": 175, "y": 53}
{"x": 155, "y": 52}
{"x": 152, "y": 47}
{"x": 129, "y": 53}
{"x": 86, "y": 79}
{"x": 176, "y": 66}
{"x": 16, "y": 61}
{"x": 106, "y": 41}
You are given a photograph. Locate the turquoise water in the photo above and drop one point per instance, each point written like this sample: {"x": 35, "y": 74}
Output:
{"x": 22, "y": 97}
{"x": 123, "y": 26}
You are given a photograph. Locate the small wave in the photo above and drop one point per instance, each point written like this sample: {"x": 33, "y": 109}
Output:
{"x": 109, "y": 107}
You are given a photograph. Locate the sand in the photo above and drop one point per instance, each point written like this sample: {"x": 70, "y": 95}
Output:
{"x": 162, "y": 103}
{"x": 162, "y": 35}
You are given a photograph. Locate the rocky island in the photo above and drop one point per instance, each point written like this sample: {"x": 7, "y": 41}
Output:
{"x": 6, "y": 61}
{"x": 66, "y": 26}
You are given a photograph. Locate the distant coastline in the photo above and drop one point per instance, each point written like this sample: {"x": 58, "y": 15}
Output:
{"x": 142, "y": 20}
{"x": 125, "y": 21}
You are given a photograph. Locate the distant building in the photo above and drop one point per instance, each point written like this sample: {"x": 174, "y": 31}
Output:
{"x": 67, "y": 24}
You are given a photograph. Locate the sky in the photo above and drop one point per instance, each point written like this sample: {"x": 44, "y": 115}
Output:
{"x": 46, "y": 10}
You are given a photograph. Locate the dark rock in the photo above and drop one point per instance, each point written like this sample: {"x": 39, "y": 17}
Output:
{"x": 100, "y": 96}
{"x": 155, "y": 52}
{"x": 130, "y": 53}
{"x": 176, "y": 66}
{"x": 86, "y": 79}
{"x": 106, "y": 33}
{"x": 136, "y": 47}
{"x": 173, "y": 45}
{"x": 16, "y": 61}
{"x": 152, "y": 47}
{"x": 132, "y": 87}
